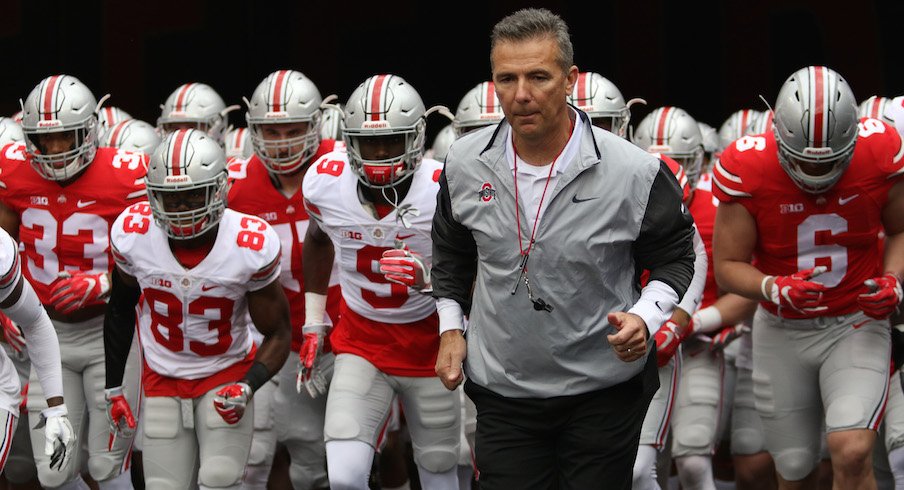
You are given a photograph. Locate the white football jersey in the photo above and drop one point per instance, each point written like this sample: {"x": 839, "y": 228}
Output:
{"x": 10, "y": 272}
{"x": 194, "y": 322}
{"x": 330, "y": 190}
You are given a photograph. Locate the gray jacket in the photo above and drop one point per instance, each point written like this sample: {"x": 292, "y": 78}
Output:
{"x": 615, "y": 211}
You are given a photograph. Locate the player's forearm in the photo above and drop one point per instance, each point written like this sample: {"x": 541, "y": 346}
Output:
{"x": 741, "y": 278}
{"x": 317, "y": 264}
{"x": 41, "y": 339}
{"x": 272, "y": 354}
{"x": 894, "y": 254}
{"x": 735, "y": 309}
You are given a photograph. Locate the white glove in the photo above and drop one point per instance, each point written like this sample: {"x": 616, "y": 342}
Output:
{"x": 310, "y": 375}
{"x": 59, "y": 438}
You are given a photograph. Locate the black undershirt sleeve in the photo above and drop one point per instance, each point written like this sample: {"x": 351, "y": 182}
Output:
{"x": 119, "y": 328}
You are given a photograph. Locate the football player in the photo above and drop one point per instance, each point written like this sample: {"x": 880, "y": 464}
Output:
{"x": 20, "y": 304}
{"x": 202, "y": 271}
{"x": 374, "y": 204}
{"x": 284, "y": 118}
{"x": 738, "y": 124}
{"x": 807, "y": 203}
{"x": 60, "y": 195}
{"x": 195, "y": 106}
{"x": 132, "y": 135}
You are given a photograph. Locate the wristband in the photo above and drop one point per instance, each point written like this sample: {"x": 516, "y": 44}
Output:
{"x": 256, "y": 376}
{"x": 707, "y": 319}
{"x": 314, "y": 307}
{"x": 766, "y": 295}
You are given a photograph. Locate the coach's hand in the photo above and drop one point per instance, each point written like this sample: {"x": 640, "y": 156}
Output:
{"x": 452, "y": 352}
{"x": 630, "y": 342}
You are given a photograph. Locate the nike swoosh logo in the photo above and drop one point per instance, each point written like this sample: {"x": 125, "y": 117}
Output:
{"x": 844, "y": 200}
{"x": 403, "y": 237}
{"x": 208, "y": 288}
{"x": 82, "y": 204}
{"x": 575, "y": 199}
{"x": 657, "y": 305}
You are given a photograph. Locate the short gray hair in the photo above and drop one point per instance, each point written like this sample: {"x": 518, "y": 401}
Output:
{"x": 532, "y": 23}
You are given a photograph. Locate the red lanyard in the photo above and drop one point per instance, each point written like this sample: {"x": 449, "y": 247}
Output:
{"x": 526, "y": 252}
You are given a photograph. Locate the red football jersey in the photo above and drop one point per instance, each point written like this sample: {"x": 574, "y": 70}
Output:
{"x": 253, "y": 192}
{"x": 797, "y": 230}
{"x": 703, "y": 208}
{"x": 67, "y": 228}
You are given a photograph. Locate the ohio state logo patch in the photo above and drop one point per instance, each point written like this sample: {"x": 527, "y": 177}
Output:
{"x": 486, "y": 192}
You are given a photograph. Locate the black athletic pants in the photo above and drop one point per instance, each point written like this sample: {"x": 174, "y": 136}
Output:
{"x": 586, "y": 441}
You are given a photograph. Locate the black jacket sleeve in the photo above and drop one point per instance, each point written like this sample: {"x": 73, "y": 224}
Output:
{"x": 119, "y": 328}
{"x": 454, "y": 252}
{"x": 665, "y": 246}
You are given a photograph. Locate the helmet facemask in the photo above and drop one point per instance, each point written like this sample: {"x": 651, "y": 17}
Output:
{"x": 204, "y": 203}
{"x": 286, "y": 155}
{"x": 386, "y": 172}
{"x": 64, "y": 165}
{"x": 831, "y": 166}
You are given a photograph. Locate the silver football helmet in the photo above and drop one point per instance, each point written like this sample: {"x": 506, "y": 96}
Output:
{"x": 710, "y": 137}
{"x": 815, "y": 126}
{"x": 478, "y": 108}
{"x": 186, "y": 183}
{"x": 57, "y": 109}
{"x": 671, "y": 131}
{"x": 331, "y": 123}
{"x": 738, "y": 124}
{"x": 194, "y": 105}
{"x": 108, "y": 117}
{"x": 603, "y": 102}
{"x": 285, "y": 96}
{"x": 10, "y": 131}
{"x": 132, "y": 135}
{"x": 877, "y": 108}
{"x": 387, "y": 109}
{"x": 763, "y": 124}
{"x": 442, "y": 143}
{"x": 238, "y": 143}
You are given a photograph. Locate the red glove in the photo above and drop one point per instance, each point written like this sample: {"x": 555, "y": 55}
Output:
{"x": 405, "y": 267}
{"x": 12, "y": 333}
{"x": 667, "y": 340}
{"x": 726, "y": 336}
{"x": 883, "y": 296}
{"x": 310, "y": 376}
{"x": 119, "y": 414}
{"x": 231, "y": 400}
{"x": 798, "y": 292}
{"x": 75, "y": 290}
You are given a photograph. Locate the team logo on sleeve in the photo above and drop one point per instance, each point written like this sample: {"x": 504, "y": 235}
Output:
{"x": 486, "y": 192}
